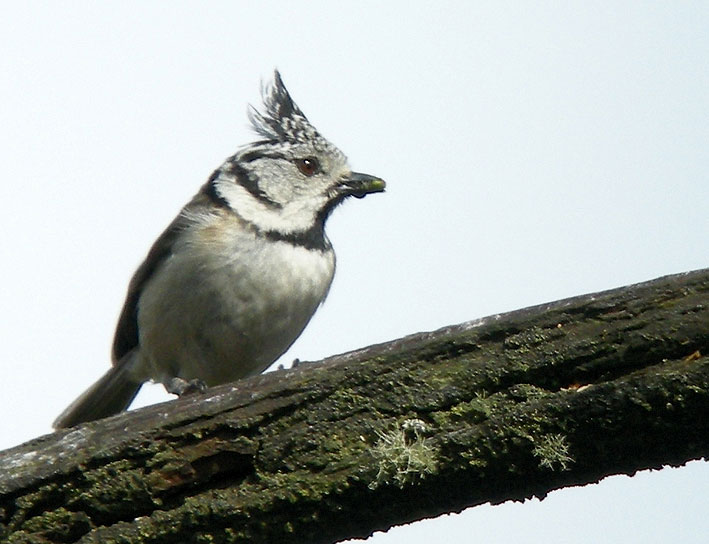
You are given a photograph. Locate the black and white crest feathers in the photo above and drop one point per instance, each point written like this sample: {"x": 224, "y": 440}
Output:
{"x": 282, "y": 120}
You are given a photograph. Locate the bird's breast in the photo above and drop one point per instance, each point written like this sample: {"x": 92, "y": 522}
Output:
{"x": 226, "y": 306}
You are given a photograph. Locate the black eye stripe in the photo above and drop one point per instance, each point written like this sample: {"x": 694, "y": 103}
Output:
{"x": 254, "y": 155}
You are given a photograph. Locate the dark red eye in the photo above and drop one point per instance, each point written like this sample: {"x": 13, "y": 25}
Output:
{"x": 308, "y": 167}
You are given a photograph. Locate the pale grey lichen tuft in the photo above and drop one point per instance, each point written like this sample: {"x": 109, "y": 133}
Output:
{"x": 553, "y": 451}
{"x": 404, "y": 454}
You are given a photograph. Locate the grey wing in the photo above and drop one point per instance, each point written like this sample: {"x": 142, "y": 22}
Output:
{"x": 126, "y": 338}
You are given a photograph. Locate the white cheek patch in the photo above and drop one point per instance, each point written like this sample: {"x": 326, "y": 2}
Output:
{"x": 293, "y": 217}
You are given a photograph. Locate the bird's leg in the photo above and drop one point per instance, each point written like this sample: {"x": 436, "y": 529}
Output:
{"x": 179, "y": 386}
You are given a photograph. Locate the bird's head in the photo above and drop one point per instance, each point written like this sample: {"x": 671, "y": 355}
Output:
{"x": 290, "y": 180}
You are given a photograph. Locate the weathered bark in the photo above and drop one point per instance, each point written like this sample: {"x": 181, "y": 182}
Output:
{"x": 506, "y": 407}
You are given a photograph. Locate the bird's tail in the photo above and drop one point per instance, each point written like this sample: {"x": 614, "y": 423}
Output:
{"x": 112, "y": 393}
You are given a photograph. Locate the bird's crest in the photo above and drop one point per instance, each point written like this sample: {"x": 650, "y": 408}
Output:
{"x": 281, "y": 119}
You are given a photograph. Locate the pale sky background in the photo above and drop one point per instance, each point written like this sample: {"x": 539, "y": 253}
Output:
{"x": 532, "y": 152}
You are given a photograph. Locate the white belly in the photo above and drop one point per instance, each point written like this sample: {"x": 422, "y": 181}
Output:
{"x": 219, "y": 312}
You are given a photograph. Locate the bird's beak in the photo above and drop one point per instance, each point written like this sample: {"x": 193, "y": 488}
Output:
{"x": 359, "y": 185}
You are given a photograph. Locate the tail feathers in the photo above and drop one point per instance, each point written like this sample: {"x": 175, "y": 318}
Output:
{"x": 111, "y": 394}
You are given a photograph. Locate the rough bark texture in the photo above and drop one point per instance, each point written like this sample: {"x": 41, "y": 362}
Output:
{"x": 506, "y": 407}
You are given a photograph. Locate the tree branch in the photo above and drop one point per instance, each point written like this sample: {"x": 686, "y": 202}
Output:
{"x": 506, "y": 407}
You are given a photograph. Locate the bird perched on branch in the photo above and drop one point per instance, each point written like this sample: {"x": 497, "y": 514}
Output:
{"x": 235, "y": 278}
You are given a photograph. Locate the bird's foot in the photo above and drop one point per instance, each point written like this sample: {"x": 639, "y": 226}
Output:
{"x": 180, "y": 386}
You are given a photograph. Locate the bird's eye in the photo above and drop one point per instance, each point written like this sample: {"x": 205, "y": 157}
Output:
{"x": 308, "y": 167}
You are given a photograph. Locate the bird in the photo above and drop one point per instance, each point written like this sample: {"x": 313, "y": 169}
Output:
{"x": 231, "y": 283}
